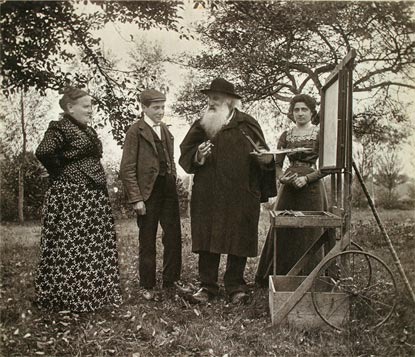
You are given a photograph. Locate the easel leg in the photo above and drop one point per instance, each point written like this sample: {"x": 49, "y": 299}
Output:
{"x": 274, "y": 237}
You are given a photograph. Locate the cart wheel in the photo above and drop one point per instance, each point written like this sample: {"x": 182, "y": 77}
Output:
{"x": 362, "y": 291}
{"x": 355, "y": 246}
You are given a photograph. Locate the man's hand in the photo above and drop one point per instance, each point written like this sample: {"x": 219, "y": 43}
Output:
{"x": 140, "y": 208}
{"x": 263, "y": 157}
{"x": 203, "y": 151}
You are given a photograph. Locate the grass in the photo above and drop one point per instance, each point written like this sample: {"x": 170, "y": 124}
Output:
{"x": 172, "y": 326}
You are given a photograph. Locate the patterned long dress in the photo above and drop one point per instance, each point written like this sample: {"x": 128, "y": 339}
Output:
{"x": 292, "y": 243}
{"x": 78, "y": 268}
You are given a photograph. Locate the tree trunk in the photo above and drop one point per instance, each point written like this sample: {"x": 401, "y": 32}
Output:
{"x": 22, "y": 168}
{"x": 373, "y": 185}
{"x": 20, "y": 199}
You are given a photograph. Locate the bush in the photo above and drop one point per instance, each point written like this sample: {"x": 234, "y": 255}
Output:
{"x": 388, "y": 200}
{"x": 359, "y": 199}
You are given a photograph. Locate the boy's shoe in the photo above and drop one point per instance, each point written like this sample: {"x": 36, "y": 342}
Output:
{"x": 202, "y": 296}
{"x": 147, "y": 294}
{"x": 178, "y": 285}
{"x": 182, "y": 287}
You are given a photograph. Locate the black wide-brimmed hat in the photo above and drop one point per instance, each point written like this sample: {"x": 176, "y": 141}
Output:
{"x": 221, "y": 85}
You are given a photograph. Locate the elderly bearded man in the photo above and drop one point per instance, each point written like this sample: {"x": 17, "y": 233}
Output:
{"x": 226, "y": 193}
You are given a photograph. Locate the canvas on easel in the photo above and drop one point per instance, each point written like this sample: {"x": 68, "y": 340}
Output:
{"x": 333, "y": 123}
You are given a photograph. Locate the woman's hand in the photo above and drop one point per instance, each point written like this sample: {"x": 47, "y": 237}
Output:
{"x": 300, "y": 181}
{"x": 288, "y": 178}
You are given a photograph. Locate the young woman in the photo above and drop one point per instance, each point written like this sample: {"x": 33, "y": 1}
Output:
{"x": 301, "y": 190}
{"x": 78, "y": 268}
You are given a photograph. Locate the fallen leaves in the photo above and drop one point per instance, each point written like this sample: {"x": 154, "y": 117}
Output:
{"x": 170, "y": 327}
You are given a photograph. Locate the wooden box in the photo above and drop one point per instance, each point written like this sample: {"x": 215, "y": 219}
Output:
{"x": 304, "y": 315}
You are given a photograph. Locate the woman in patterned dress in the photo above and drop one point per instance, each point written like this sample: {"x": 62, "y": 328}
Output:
{"x": 78, "y": 268}
{"x": 301, "y": 190}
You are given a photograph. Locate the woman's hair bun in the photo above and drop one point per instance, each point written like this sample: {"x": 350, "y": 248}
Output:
{"x": 68, "y": 89}
{"x": 70, "y": 94}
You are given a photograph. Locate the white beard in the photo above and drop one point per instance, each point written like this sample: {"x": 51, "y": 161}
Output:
{"x": 214, "y": 119}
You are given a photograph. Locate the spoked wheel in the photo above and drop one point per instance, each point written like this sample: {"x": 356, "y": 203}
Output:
{"x": 362, "y": 291}
{"x": 355, "y": 246}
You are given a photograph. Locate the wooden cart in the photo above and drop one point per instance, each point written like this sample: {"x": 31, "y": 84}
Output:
{"x": 348, "y": 287}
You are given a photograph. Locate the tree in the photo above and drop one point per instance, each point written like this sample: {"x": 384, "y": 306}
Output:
{"x": 278, "y": 48}
{"x": 35, "y": 185}
{"x": 275, "y": 49}
{"x": 146, "y": 62}
{"x": 41, "y": 37}
{"x": 144, "y": 69}
{"x": 24, "y": 116}
{"x": 378, "y": 124}
{"x": 389, "y": 176}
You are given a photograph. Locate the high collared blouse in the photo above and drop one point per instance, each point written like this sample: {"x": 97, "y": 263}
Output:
{"x": 71, "y": 152}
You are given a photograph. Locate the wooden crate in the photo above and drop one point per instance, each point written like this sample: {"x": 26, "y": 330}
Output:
{"x": 304, "y": 315}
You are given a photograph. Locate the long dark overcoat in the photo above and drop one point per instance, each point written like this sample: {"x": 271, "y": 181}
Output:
{"x": 226, "y": 191}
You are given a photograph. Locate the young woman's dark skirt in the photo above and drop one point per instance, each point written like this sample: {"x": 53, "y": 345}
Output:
{"x": 292, "y": 243}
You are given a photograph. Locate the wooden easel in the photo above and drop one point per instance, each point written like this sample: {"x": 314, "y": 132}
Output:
{"x": 336, "y": 221}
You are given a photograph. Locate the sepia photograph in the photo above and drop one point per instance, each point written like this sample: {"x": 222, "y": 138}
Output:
{"x": 207, "y": 178}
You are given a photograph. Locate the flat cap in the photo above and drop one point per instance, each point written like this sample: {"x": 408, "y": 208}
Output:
{"x": 151, "y": 95}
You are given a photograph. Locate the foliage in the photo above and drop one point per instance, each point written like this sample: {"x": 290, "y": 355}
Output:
{"x": 411, "y": 192}
{"x": 359, "y": 200}
{"x": 377, "y": 126}
{"x": 35, "y": 110}
{"x": 389, "y": 176}
{"x": 191, "y": 102}
{"x": 277, "y": 49}
{"x": 41, "y": 38}
{"x": 25, "y": 117}
{"x": 145, "y": 70}
{"x": 184, "y": 197}
{"x": 35, "y": 187}
{"x": 38, "y": 35}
